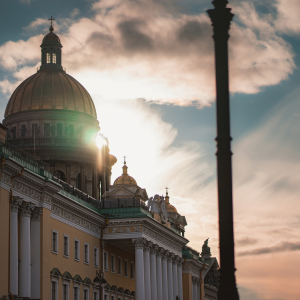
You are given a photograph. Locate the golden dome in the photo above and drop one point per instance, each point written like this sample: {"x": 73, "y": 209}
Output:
{"x": 125, "y": 178}
{"x": 50, "y": 89}
{"x": 170, "y": 208}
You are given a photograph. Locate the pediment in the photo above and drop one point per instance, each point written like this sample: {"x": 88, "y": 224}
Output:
{"x": 120, "y": 192}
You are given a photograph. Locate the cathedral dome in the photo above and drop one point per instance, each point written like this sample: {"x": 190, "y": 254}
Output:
{"x": 170, "y": 208}
{"x": 51, "y": 38}
{"x": 125, "y": 178}
{"x": 50, "y": 89}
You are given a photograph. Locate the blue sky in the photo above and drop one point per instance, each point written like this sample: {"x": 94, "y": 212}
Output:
{"x": 149, "y": 66}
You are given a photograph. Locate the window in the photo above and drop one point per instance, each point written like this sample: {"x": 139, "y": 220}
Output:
{"x": 113, "y": 263}
{"x": 65, "y": 292}
{"x": 131, "y": 270}
{"x": 46, "y": 129}
{"x": 85, "y": 295}
{"x": 54, "y": 58}
{"x": 48, "y": 58}
{"x": 126, "y": 268}
{"x": 59, "y": 129}
{"x": 105, "y": 261}
{"x": 66, "y": 245}
{"x": 78, "y": 181}
{"x": 76, "y": 250}
{"x": 119, "y": 266}
{"x": 23, "y": 131}
{"x": 14, "y": 132}
{"x": 95, "y": 296}
{"x": 86, "y": 253}
{"x": 53, "y": 290}
{"x": 96, "y": 257}
{"x": 76, "y": 293}
{"x": 112, "y": 297}
{"x": 35, "y": 130}
{"x": 54, "y": 242}
{"x": 60, "y": 175}
{"x": 105, "y": 297}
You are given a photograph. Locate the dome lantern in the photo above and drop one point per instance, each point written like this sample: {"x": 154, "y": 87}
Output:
{"x": 51, "y": 50}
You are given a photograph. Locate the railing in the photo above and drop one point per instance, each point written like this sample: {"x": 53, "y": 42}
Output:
{"x": 123, "y": 203}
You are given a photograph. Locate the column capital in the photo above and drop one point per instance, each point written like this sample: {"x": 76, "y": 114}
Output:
{"x": 165, "y": 254}
{"x": 139, "y": 243}
{"x": 160, "y": 252}
{"x": 148, "y": 246}
{"x": 15, "y": 204}
{"x": 26, "y": 209}
{"x": 176, "y": 259}
{"x": 154, "y": 249}
{"x": 36, "y": 214}
{"x": 198, "y": 280}
{"x": 170, "y": 257}
{"x": 194, "y": 280}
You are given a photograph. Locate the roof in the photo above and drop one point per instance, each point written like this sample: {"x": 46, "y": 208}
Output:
{"x": 51, "y": 37}
{"x": 125, "y": 178}
{"x": 50, "y": 89}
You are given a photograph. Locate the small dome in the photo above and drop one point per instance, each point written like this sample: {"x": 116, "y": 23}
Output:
{"x": 171, "y": 209}
{"x": 51, "y": 37}
{"x": 125, "y": 178}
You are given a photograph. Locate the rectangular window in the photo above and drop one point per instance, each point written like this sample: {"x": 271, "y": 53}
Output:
{"x": 66, "y": 245}
{"x": 113, "y": 263}
{"x": 14, "y": 132}
{"x": 71, "y": 128}
{"x": 54, "y": 58}
{"x": 53, "y": 291}
{"x": 76, "y": 293}
{"x": 85, "y": 295}
{"x": 96, "y": 257}
{"x": 54, "y": 242}
{"x": 112, "y": 297}
{"x": 46, "y": 129}
{"x": 59, "y": 129}
{"x": 105, "y": 261}
{"x": 126, "y": 268}
{"x": 35, "y": 130}
{"x": 65, "y": 292}
{"x": 76, "y": 250}
{"x": 95, "y": 296}
{"x": 119, "y": 266}
{"x": 48, "y": 58}
{"x": 86, "y": 253}
{"x": 23, "y": 131}
{"x": 105, "y": 297}
{"x": 131, "y": 270}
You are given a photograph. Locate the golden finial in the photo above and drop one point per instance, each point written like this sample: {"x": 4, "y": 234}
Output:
{"x": 51, "y": 24}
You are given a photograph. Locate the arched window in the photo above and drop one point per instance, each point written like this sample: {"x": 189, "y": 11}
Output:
{"x": 60, "y": 175}
{"x": 54, "y": 58}
{"x": 78, "y": 181}
{"x": 48, "y": 58}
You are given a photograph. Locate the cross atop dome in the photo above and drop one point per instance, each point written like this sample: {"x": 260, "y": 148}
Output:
{"x": 51, "y": 24}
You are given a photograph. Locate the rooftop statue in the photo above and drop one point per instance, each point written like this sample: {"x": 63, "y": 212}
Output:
{"x": 158, "y": 206}
{"x": 205, "y": 249}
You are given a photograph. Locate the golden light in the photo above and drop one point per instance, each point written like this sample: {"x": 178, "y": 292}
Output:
{"x": 100, "y": 140}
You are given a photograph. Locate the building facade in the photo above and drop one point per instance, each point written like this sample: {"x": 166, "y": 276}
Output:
{"x": 64, "y": 227}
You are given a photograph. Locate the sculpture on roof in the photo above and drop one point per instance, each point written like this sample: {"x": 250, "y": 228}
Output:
{"x": 205, "y": 249}
{"x": 158, "y": 206}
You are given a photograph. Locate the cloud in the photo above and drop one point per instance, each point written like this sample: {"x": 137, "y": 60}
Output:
{"x": 152, "y": 50}
{"x": 281, "y": 247}
{"x": 246, "y": 241}
{"x": 36, "y": 24}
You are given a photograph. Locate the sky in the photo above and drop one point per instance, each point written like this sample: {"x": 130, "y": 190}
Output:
{"x": 149, "y": 67}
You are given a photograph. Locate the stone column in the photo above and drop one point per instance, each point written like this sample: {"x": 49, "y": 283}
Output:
{"x": 139, "y": 269}
{"x": 147, "y": 271}
{"x": 153, "y": 253}
{"x": 198, "y": 289}
{"x": 179, "y": 275}
{"x": 194, "y": 286}
{"x": 170, "y": 277}
{"x": 95, "y": 186}
{"x": 68, "y": 173}
{"x": 24, "y": 276}
{"x": 175, "y": 277}
{"x": 165, "y": 290}
{"x": 35, "y": 253}
{"x": 159, "y": 274}
{"x": 14, "y": 207}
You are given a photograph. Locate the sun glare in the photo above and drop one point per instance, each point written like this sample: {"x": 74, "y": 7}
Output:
{"x": 100, "y": 140}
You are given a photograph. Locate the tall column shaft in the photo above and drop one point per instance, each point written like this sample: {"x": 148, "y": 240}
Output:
{"x": 179, "y": 274}
{"x": 194, "y": 289}
{"x": 147, "y": 273}
{"x": 139, "y": 269}
{"x": 14, "y": 276}
{"x": 198, "y": 289}
{"x": 175, "y": 279}
{"x": 153, "y": 273}
{"x": 25, "y": 261}
{"x": 170, "y": 278}
{"x": 165, "y": 289}
{"x": 159, "y": 281}
{"x": 35, "y": 253}
{"x": 221, "y": 18}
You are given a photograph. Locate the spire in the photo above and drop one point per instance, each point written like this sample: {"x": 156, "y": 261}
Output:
{"x": 167, "y": 196}
{"x": 125, "y": 167}
{"x": 51, "y": 24}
